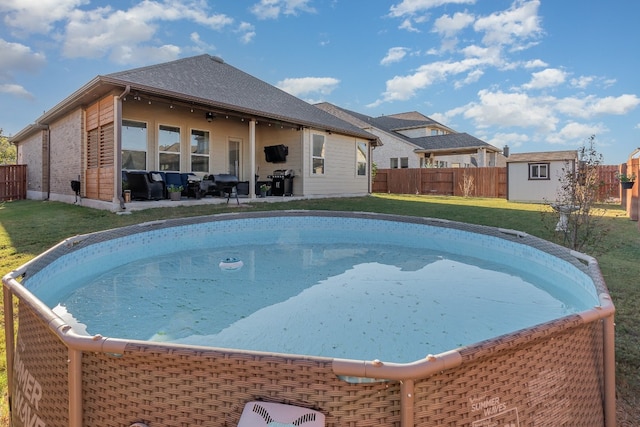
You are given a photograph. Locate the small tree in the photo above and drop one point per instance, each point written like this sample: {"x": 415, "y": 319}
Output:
{"x": 578, "y": 194}
{"x": 7, "y": 151}
{"x": 467, "y": 185}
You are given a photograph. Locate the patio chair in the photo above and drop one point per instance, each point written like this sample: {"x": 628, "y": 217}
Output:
{"x": 145, "y": 185}
{"x": 256, "y": 414}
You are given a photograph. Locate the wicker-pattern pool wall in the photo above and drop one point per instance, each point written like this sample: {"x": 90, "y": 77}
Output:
{"x": 558, "y": 373}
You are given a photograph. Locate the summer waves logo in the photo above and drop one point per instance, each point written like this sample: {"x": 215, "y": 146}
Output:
{"x": 495, "y": 412}
{"x": 27, "y": 395}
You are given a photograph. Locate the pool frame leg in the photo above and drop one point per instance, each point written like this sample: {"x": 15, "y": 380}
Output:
{"x": 406, "y": 403}
{"x": 75, "y": 388}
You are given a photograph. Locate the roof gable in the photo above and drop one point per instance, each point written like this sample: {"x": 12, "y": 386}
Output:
{"x": 393, "y": 124}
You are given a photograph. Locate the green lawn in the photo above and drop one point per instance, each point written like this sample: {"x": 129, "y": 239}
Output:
{"x": 27, "y": 228}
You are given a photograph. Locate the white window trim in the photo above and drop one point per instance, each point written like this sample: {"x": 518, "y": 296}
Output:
{"x": 146, "y": 145}
{"x": 312, "y": 170}
{"x": 547, "y": 175}
{"x": 169, "y": 152}
{"x": 366, "y": 159}
{"x": 191, "y": 155}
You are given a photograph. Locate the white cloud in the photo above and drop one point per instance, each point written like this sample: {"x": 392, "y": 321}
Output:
{"x": 535, "y": 63}
{"x": 200, "y": 45}
{"x": 37, "y": 16}
{"x": 508, "y": 27}
{"x": 395, "y": 54}
{"x": 582, "y": 81}
{"x": 272, "y": 9}
{"x": 591, "y": 105}
{"x": 307, "y": 85}
{"x": 247, "y": 32}
{"x": 505, "y": 110}
{"x": 410, "y": 7}
{"x": 615, "y": 105}
{"x": 17, "y": 57}
{"x": 512, "y": 139}
{"x": 546, "y": 78}
{"x": 123, "y": 34}
{"x": 472, "y": 77}
{"x": 402, "y": 88}
{"x": 15, "y": 90}
{"x": 449, "y": 26}
{"x": 574, "y": 132}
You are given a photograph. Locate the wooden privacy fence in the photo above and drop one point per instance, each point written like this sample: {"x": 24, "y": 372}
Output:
{"x": 13, "y": 182}
{"x": 482, "y": 182}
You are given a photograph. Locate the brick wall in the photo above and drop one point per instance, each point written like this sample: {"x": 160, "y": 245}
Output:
{"x": 66, "y": 152}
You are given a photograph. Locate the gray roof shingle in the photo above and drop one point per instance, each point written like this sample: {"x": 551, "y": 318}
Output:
{"x": 209, "y": 80}
{"x": 395, "y": 123}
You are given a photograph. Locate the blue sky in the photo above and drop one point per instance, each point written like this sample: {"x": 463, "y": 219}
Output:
{"x": 534, "y": 74}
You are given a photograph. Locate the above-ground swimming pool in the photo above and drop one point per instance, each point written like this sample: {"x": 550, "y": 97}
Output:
{"x": 369, "y": 319}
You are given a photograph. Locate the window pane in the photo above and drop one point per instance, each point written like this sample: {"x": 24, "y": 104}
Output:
{"x": 134, "y": 135}
{"x": 200, "y": 163}
{"x": 318, "y": 166}
{"x": 169, "y": 139}
{"x": 404, "y": 162}
{"x": 132, "y": 160}
{"x": 361, "y": 161}
{"x": 169, "y": 162}
{"x": 199, "y": 142}
{"x": 318, "y": 146}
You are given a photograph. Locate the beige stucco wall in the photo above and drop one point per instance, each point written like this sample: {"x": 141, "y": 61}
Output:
{"x": 521, "y": 189}
{"x": 222, "y": 130}
{"x": 33, "y": 153}
{"x": 340, "y": 176}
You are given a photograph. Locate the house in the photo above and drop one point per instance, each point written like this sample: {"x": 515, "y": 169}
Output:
{"x": 196, "y": 114}
{"x": 413, "y": 140}
{"x": 535, "y": 177}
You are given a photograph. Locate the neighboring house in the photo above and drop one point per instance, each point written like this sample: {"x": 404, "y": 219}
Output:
{"x": 413, "y": 140}
{"x": 535, "y": 177}
{"x": 195, "y": 114}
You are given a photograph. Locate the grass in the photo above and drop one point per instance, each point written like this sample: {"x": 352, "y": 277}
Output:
{"x": 27, "y": 228}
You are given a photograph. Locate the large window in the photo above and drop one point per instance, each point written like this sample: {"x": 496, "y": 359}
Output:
{"x": 134, "y": 145}
{"x": 539, "y": 171}
{"x": 361, "y": 159}
{"x": 199, "y": 151}
{"x": 317, "y": 155}
{"x": 169, "y": 148}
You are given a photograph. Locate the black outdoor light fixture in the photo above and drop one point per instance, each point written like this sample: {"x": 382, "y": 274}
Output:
{"x": 210, "y": 116}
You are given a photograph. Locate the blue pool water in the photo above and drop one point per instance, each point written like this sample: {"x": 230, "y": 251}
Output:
{"x": 324, "y": 286}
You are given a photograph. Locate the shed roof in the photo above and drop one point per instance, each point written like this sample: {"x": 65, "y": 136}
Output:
{"x": 543, "y": 156}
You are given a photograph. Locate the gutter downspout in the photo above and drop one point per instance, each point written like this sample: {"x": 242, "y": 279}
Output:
{"x": 118, "y": 147}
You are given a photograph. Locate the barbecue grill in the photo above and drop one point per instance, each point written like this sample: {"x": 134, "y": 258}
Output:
{"x": 282, "y": 182}
{"x": 227, "y": 184}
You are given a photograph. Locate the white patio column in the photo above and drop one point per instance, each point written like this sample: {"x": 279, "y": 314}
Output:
{"x": 252, "y": 156}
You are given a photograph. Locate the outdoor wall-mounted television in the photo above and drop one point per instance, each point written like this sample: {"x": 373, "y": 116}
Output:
{"x": 276, "y": 153}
